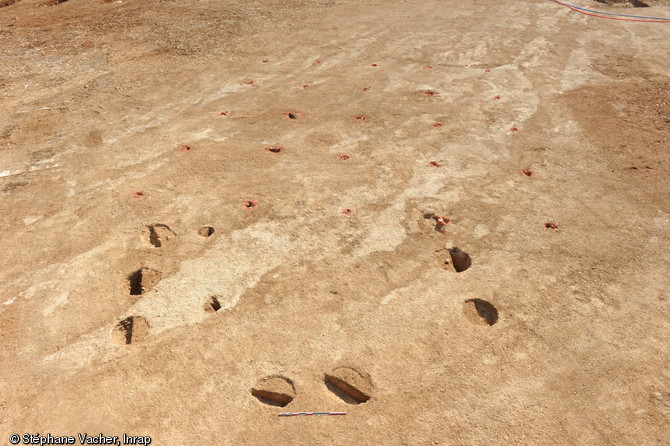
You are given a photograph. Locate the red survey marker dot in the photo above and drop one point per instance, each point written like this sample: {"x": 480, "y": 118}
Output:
{"x": 303, "y": 86}
{"x": 249, "y": 82}
{"x": 374, "y": 65}
{"x": 344, "y": 157}
{"x": 137, "y": 195}
{"x": 185, "y": 148}
{"x": 438, "y": 125}
{"x": 496, "y": 97}
{"x": 365, "y": 88}
{"x": 550, "y": 225}
{"x": 347, "y": 211}
{"x": 487, "y": 71}
{"x": 434, "y": 164}
{"x": 360, "y": 118}
{"x": 224, "y": 114}
{"x": 514, "y": 129}
{"x": 429, "y": 66}
{"x": 441, "y": 221}
{"x": 265, "y": 60}
{"x": 249, "y": 205}
{"x": 318, "y": 61}
{"x": 527, "y": 172}
{"x": 274, "y": 149}
{"x": 294, "y": 115}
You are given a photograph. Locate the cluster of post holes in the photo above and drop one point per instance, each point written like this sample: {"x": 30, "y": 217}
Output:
{"x": 347, "y": 383}
{"x": 143, "y": 279}
{"x": 296, "y": 115}
{"x": 134, "y": 329}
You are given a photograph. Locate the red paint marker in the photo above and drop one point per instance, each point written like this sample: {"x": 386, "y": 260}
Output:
{"x": 438, "y": 124}
{"x": 527, "y": 172}
{"x": 344, "y": 157}
{"x": 551, "y": 225}
{"x": 185, "y": 148}
{"x": 347, "y": 211}
{"x": 274, "y": 149}
{"x": 434, "y": 164}
{"x": 294, "y": 115}
{"x": 360, "y": 118}
{"x": 441, "y": 221}
{"x": 249, "y": 205}
{"x": 137, "y": 195}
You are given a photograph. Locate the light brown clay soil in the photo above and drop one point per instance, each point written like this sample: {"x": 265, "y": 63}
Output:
{"x": 291, "y": 178}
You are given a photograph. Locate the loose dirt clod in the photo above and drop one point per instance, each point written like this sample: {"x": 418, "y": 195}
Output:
{"x": 349, "y": 384}
{"x": 274, "y": 391}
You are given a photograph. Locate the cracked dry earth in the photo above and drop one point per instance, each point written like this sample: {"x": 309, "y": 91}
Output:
{"x": 448, "y": 219}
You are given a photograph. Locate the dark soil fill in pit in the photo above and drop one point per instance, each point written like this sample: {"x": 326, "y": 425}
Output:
{"x": 480, "y": 311}
{"x": 131, "y": 330}
{"x": 349, "y": 384}
{"x": 274, "y": 391}
{"x": 461, "y": 260}
{"x": 213, "y": 304}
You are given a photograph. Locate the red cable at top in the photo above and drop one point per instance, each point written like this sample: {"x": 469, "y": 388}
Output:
{"x": 611, "y": 18}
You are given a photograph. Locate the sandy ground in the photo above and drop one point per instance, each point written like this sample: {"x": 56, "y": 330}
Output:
{"x": 140, "y": 294}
